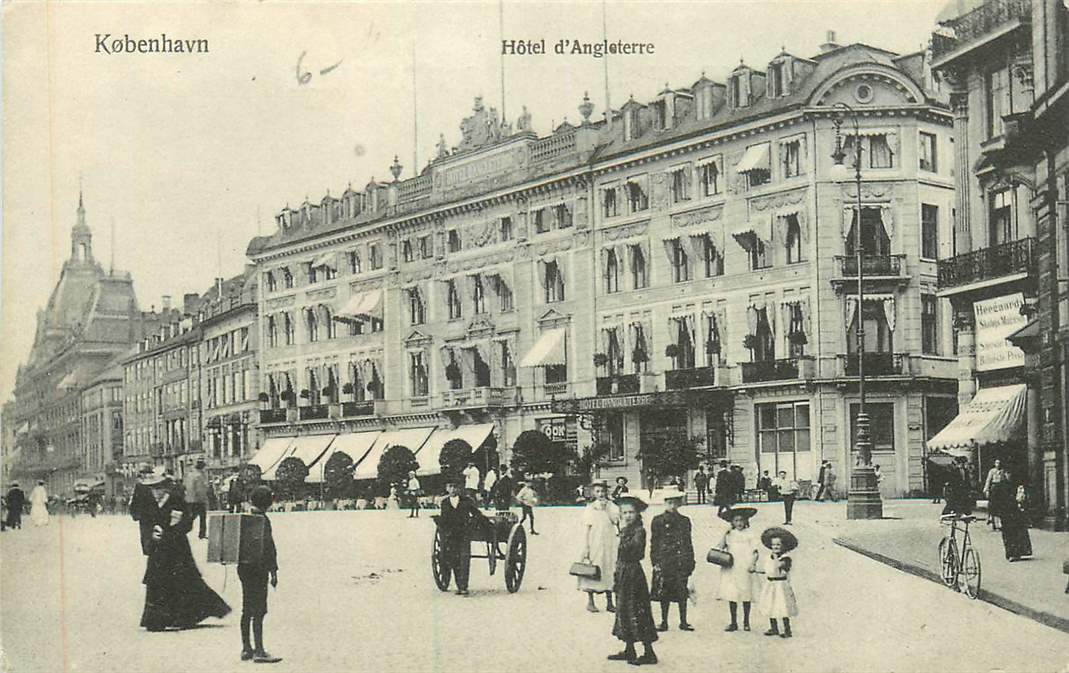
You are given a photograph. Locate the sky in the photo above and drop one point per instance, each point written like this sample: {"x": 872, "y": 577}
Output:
{"x": 183, "y": 158}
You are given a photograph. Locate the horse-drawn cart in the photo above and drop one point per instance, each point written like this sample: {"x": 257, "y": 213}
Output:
{"x": 504, "y": 540}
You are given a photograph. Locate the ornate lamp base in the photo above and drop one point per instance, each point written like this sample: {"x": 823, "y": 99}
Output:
{"x": 863, "y": 501}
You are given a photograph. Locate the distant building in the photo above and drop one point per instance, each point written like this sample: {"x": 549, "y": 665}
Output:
{"x": 102, "y": 428}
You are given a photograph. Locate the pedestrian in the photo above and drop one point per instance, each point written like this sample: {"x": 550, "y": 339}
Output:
{"x": 414, "y": 491}
{"x": 879, "y": 475}
{"x": 788, "y": 491}
{"x": 999, "y": 493}
{"x": 738, "y": 483}
{"x": 957, "y": 492}
{"x": 502, "y": 494}
{"x": 736, "y": 580}
{"x": 15, "y": 500}
{"x": 254, "y": 577}
{"x": 777, "y": 595}
{"x": 821, "y": 483}
{"x": 1016, "y": 541}
{"x": 701, "y": 482}
{"x": 488, "y": 487}
{"x": 723, "y": 489}
{"x": 620, "y": 490}
{"x": 634, "y": 616}
{"x": 764, "y": 482}
{"x": 196, "y": 486}
{"x": 175, "y": 593}
{"x": 459, "y": 517}
{"x": 393, "y": 501}
{"x": 829, "y": 483}
{"x": 235, "y": 494}
{"x": 528, "y": 499}
{"x": 600, "y": 525}
{"x": 672, "y": 556}
{"x": 471, "y": 480}
{"x": 652, "y": 482}
{"x": 39, "y": 504}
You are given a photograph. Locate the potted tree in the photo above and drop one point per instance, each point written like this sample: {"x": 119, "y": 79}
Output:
{"x": 600, "y": 359}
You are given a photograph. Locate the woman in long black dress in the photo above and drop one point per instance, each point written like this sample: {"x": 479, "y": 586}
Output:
{"x": 1015, "y": 537}
{"x": 175, "y": 594}
{"x": 634, "y": 617}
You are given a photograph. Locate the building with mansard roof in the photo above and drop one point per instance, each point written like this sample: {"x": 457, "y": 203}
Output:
{"x": 684, "y": 268}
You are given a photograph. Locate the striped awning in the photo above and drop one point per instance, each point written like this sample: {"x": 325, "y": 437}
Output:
{"x": 271, "y": 453}
{"x": 548, "y": 350}
{"x": 756, "y": 157}
{"x": 993, "y": 416}
{"x": 411, "y": 438}
{"x": 362, "y": 306}
{"x": 474, "y": 434}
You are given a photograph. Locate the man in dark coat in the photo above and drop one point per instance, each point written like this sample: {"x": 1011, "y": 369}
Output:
{"x": 701, "y": 482}
{"x": 459, "y": 517}
{"x": 672, "y": 555}
{"x": 235, "y": 495}
{"x": 738, "y": 483}
{"x": 822, "y": 487}
{"x": 502, "y": 494}
{"x": 723, "y": 490}
{"x": 15, "y": 501}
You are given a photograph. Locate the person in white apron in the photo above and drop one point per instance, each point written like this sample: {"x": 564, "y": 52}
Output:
{"x": 39, "y": 504}
{"x": 736, "y": 581}
{"x": 600, "y": 526}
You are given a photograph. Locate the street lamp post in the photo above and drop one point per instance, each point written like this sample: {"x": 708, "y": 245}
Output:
{"x": 863, "y": 500}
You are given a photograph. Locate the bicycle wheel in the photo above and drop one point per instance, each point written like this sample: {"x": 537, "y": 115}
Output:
{"x": 948, "y": 561}
{"x": 970, "y": 572}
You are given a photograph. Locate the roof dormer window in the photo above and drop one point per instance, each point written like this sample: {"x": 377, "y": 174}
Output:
{"x": 739, "y": 93}
{"x": 632, "y": 128}
{"x": 776, "y": 86}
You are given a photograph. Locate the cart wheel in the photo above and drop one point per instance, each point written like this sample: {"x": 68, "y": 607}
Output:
{"x": 438, "y": 565}
{"x": 515, "y": 559}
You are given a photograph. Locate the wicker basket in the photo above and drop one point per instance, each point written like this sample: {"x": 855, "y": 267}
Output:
{"x": 720, "y": 558}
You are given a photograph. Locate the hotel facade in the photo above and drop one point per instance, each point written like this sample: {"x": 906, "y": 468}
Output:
{"x": 685, "y": 268}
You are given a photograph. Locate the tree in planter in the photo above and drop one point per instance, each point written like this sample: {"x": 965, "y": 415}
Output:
{"x": 290, "y": 476}
{"x": 535, "y": 453}
{"x": 672, "y": 351}
{"x": 395, "y": 464}
{"x": 455, "y": 456}
{"x": 590, "y": 459}
{"x": 749, "y": 342}
{"x": 600, "y": 359}
{"x": 671, "y": 455}
{"x": 249, "y": 474}
{"x": 338, "y": 475}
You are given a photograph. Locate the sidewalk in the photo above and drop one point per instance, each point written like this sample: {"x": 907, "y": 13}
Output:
{"x": 908, "y": 539}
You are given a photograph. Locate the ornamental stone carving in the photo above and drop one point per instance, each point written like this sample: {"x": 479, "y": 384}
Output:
{"x": 658, "y": 191}
{"x": 782, "y": 200}
{"x": 279, "y": 302}
{"x": 698, "y": 217}
{"x": 626, "y": 231}
{"x": 582, "y": 213}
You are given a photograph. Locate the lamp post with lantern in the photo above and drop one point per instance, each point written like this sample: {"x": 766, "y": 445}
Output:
{"x": 863, "y": 500}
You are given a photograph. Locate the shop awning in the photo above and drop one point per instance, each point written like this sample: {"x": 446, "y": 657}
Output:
{"x": 548, "y": 350}
{"x": 271, "y": 452}
{"x": 994, "y": 415}
{"x": 474, "y": 435}
{"x": 311, "y": 448}
{"x": 760, "y": 226}
{"x": 353, "y": 444}
{"x": 756, "y": 157}
{"x": 411, "y": 438}
{"x": 362, "y": 306}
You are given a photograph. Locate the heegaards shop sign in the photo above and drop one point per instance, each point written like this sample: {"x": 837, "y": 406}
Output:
{"x": 996, "y": 319}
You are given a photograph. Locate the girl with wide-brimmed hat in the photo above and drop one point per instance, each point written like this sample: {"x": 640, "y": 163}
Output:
{"x": 634, "y": 616}
{"x": 600, "y": 525}
{"x": 736, "y": 580}
{"x": 777, "y": 596}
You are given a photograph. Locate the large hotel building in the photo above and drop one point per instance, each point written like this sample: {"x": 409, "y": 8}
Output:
{"x": 686, "y": 267}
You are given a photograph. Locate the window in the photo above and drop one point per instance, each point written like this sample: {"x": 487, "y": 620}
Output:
{"x": 417, "y": 372}
{"x": 272, "y": 331}
{"x": 996, "y": 99}
{"x": 874, "y": 239}
{"x": 758, "y": 255}
{"x": 562, "y": 216}
{"x": 660, "y": 114}
{"x": 765, "y": 342}
{"x": 637, "y": 195}
{"x": 478, "y": 294}
{"x": 508, "y": 367}
{"x": 313, "y": 273}
{"x": 406, "y": 250}
{"x": 353, "y": 257}
{"x": 709, "y": 175}
{"x": 878, "y": 335}
{"x": 290, "y": 329}
{"x": 929, "y": 324}
{"x": 374, "y": 256}
{"x": 609, "y": 203}
{"x": 795, "y": 249}
{"x": 269, "y": 279}
{"x": 505, "y": 228}
{"x": 775, "y": 79}
{"x": 881, "y": 425}
{"x": 453, "y": 373}
{"x": 685, "y": 344}
{"x": 612, "y": 272}
{"x": 426, "y": 250}
{"x": 312, "y": 325}
{"x": 614, "y": 435}
{"x": 639, "y": 274}
{"x": 880, "y": 153}
{"x": 541, "y": 225}
{"x": 680, "y": 262}
{"x": 556, "y": 374}
{"x": 756, "y": 177}
{"x": 504, "y": 296}
{"x": 735, "y": 91}
{"x": 1001, "y": 225}
{"x": 680, "y": 184}
{"x": 452, "y": 297}
{"x": 782, "y": 428}
{"x": 929, "y": 231}
{"x": 928, "y": 153}
{"x": 712, "y": 260}
{"x": 791, "y": 156}
{"x": 417, "y": 312}
{"x": 553, "y": 282}
{"x": 631, "y": 123}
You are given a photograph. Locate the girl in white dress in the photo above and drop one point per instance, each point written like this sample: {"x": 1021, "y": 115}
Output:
{"x": 736, "y": 581}
{"x": 777, "y": 595}
{"x": 601, "y": 521}
{"x": 39, "y": 504}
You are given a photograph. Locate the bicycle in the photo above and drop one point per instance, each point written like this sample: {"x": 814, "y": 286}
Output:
{"x": 959, "y": 571}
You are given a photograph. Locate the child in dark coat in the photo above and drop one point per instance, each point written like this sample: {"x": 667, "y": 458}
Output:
{"x": 672, "y": 555}
{"x": 634, "y": 619}
{"x": 254, "y": 578}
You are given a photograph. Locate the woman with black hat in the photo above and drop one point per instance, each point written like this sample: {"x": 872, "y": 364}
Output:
{"x": 634, "y": 617}
{"x": 621, "y": 488}
{"x": 777, "y": 596}
{"x": 736, "y": 580}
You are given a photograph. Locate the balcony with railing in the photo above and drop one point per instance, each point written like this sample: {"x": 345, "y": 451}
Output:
{"x": 877, "y": 363}
{"x": 313, "y": 412}
{"x": 769, "y": 370}
{"x": 357, "y": 409}
{"x": 552, "y": 147}
{"x": 879, "y": 270}
{"x": 555, "y": 389}
{"x": 618, "y": 384}
{"x": 697, "y": 377}
{"x": 1012, "y": 259}
{"x": 976, "y": 27}
{"x": 479, "y": 398}
{"x": 268, "y": 416}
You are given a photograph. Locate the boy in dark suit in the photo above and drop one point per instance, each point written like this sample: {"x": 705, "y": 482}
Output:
{"x": 459, "y": 517}
{"x": 254, "y": 578}
{"x": 672, "y": 555}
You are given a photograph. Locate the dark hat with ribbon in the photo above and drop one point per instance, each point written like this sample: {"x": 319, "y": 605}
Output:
{"x": 729, "y": 514}
{"x": 638, "y": 503}
{"x": 786, "y": 537}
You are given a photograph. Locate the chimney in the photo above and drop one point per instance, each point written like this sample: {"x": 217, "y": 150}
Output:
{"x": 189, "y": 303}
{"x": 830, "y": 44}
{"x": 166, "y": 303}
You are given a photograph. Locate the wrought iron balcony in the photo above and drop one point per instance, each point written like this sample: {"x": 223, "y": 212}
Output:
{"x": 997, "y": 261}
{"x": 268, "y": 416}
{"x": 351, "y": 409}
{"x": 769, "y": 370}
{"x": 986, "y": 19}
{"x": 697, "y": 377}
{"x": 618, "y": 384}
{"x": 482, "y": 397}
{"x": 876, "y": 364}
{"x": 313, "y": 412}
{"x": 872, "y": 265}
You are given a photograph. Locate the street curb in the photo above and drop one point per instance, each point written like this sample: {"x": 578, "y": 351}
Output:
{"x": 1045, "y": 618}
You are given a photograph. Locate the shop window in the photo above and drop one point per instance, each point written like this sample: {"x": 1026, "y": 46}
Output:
{"x": 782, "y": 428}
